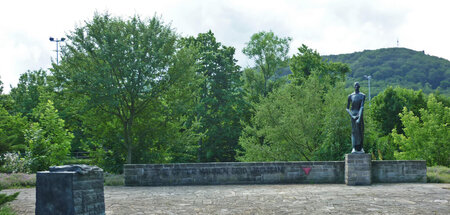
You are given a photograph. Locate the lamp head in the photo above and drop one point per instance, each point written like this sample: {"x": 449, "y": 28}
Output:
{"x": 52, "y": 39}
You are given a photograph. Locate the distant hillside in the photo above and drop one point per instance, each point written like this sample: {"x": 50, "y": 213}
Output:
{"x": 397, "y": 67}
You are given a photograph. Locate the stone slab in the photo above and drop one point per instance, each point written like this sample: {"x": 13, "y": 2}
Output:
{"x": 403, "y": 198}
{"x": 54, "y": 193}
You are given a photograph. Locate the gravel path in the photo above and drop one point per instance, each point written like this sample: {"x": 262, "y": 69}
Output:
{"x": 268, "y": 199}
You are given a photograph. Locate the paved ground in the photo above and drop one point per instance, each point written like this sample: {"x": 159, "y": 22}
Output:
{"x": 268, "y": 199}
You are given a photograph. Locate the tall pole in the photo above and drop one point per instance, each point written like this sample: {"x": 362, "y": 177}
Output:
{"x": 369, "y": 90}
{"x": 368, "y": 78}
{"x": 57, "y": 46}
{"x": 57, "y": 59}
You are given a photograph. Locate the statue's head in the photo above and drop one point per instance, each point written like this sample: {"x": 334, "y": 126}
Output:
{"x": 357, "y": 86}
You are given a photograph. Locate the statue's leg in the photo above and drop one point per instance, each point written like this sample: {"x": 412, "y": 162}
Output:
{"x": 354, "y": 134}
{"x": 358, "y": 137}
{"x": 362, "y": 132}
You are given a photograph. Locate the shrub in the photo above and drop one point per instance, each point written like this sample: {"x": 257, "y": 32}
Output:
{"x": 113, "y": 179}
{"x": 438, "y": 174}
{"x": 13, "y": 163}
{"x": 48, "y": 141}
{"x": 6, "y": 210}
{"x": 5, "y": 198}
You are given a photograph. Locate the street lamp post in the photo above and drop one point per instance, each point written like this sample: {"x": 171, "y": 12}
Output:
{"x": 368, "y": 78}
{"x": 57, "y": 46}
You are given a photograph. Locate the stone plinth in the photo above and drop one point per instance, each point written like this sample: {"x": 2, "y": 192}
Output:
{"x": 358, "y": 169}
{"x": 73, "y": 189}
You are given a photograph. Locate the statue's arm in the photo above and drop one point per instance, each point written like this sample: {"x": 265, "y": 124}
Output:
{"x": 361, "y": 109}
{"x": 349, "y": 99}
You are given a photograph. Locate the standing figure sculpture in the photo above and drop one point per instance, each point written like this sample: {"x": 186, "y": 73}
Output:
{"x": 356, "y": 100}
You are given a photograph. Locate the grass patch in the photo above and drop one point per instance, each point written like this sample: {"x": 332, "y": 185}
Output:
{"x": 78, "y": 161}
{"x": 23, "y": 180}
{"x": 6, "y": 210}
{"x": 17, "y": 180}
{"x": 113, "y": 179}
{"x": 438, "y": 174}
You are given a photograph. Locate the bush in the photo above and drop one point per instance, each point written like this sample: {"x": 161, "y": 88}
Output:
{"x": 5, "y": 198}
{"x": 13, "y": 163}
{"x": 438, "y": 174}
{"x": 48, "y": 141}
{"x": 6, "y": 210}
{"x": 113, "y": 179}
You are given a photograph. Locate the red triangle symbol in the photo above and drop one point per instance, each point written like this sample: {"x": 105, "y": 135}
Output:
{"x": 306, "y": 170}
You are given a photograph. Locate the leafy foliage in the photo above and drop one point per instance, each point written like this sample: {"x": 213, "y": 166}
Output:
{"x": 293, "y": 122}
{"x": 13, "y": 163}
{"x": 48, "y": 141}
{"x": 31, "y": 86}
{"x": 130, "y": 59}
{"x": 132, "y": 91}
{"x": 426, "y": 137}
{"x": 269, "y": 53}
{"x": 5, "y": 198}
{"x": 387, "y": 106}
{"x": 308, "y": 61}
{"x": 219, "y": 106}
{"x": 11, "y": 132}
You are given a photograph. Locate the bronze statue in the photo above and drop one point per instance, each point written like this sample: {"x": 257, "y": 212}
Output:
{"x": 356, "y": 100}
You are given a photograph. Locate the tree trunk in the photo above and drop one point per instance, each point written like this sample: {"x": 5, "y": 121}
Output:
{"x": 127, "y": 139}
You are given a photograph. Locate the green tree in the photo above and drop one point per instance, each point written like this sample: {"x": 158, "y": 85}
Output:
{"x": 387, "y": 106}
{"x": 182, "y": 130}
{"x": 298, "y": 123}
{"x": 301, "y": 120}
{"x": 269, "y": 53}
{"x": 219, "y": 106}
{"x": 29, "y": 89}
{"x": 48, "y": 141}
{"x": 121, "y": 66}
{"x": 336, "y": 130}
{"x": 425, "y": 137}
{"x": 11, "y": 132}
{"x": 309, "y": 61}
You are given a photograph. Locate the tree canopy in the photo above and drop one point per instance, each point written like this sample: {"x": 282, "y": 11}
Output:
{"x": 132, "y": 90}
{"x": 121, "y": 65}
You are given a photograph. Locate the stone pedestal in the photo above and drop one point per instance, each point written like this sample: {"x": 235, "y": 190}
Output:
{"x": 358, "y": 169}
{"x": 72, "y": 189}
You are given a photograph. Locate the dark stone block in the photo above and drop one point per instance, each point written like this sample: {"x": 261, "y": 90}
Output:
{"x": 70, "y": 190}
{"x": 54, "y": 193}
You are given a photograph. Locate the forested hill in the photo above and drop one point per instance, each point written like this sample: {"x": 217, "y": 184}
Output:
{"x": 397, "y": 67}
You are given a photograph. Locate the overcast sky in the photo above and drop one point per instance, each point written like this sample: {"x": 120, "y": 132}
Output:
{"x": 329, "y": 26}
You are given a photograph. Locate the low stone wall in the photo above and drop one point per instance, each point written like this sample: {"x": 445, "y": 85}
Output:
{"x": 271, "y": 173}
{"x": 399, "y": 171}
{"x": 233, "y": 173}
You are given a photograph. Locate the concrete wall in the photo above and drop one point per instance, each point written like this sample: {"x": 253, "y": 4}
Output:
{"x": 399, "y": 171}
{"x": 233, "y": 173}
{"x": 267, "y": 173}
